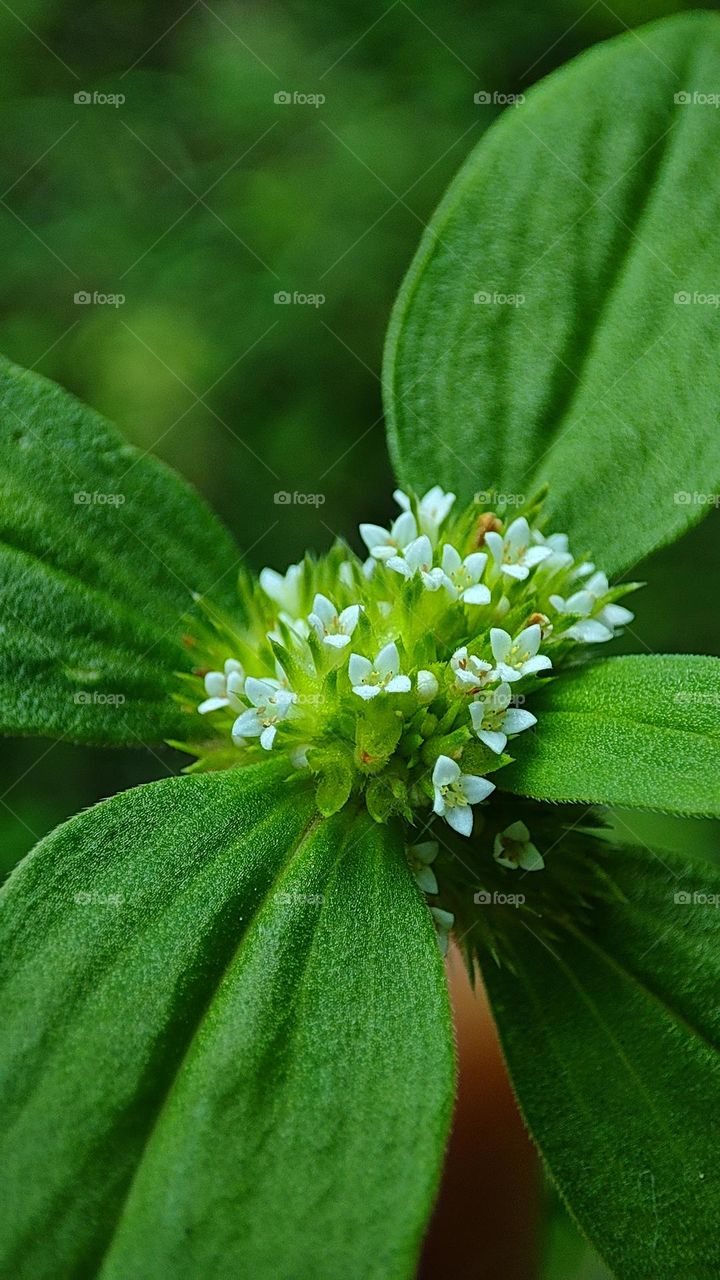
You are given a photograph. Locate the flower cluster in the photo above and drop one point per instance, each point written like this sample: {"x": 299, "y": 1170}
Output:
{"x": 402, "y": 679}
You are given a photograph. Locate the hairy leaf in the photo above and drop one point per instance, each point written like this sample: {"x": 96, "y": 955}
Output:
{"x": 101, "y": 548}
{"x": 555, "y": 324}
{"x": 611, "y": 1031}
{"x": 640, "y": 732}
{"x": 226, "y": 1044}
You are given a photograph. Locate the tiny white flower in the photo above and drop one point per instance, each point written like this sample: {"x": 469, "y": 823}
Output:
{"x": 433, "y": 509}
{"x": 298, "y": 625}
{"x": 462, "y": 577}
{"x": 270, "y": 705}
{"x": 611, "y": 615}
{"x": 560, "y": 556}
{"x": 513, "y": 848}
{"x": 418, "y": 558}
{"x": 444, "y": 921}
{"x": 455, "y": 792}
{"x": 470, "y": 672}
{"x": 587, "y": 630}
{"x": 514, "y": 553}
{"x": 427, "y": 685}
{"x": 223, "y": 687}
{"x": 494, "y": 719}
{"x": 519, "y": 657}
{"x": 333, "y": 628}
{"x": 284, "y": 589}
{"x": 420, "y": 857}
{"x": 384, "y": 543}
{"x": 368, "y": 679}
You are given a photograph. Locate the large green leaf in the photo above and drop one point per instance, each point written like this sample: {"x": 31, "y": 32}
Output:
{"x": 611, "y": 1030}
{"x": 640, "y": 731}
{"x": 243, "y": 1066}
{"x": 597, "y": 202}
{"x": 101, "y": 548}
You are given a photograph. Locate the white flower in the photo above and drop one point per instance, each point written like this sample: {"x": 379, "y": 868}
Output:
{"x": 560, "y": 556}
{"x": 471, "y": 673}
{"x": 455, "y": 792}
{"x": 519, "y": 657}
{"x": 298, "y": 625}
{"x": 433, "y": 508}
{"x": 223, "y": 687}
{"x": 462, "y": 577}
{"x": 513, "y": 553}
{"x": 494, "y": 719}
{"x": 444, "y": 921}
{"x": 368, "y": 679}
{"x": 513, "y": 848}
{"x": 420, "y": 856}
{"x": 592, "y": 630}
{"x": 384, "y": 543}
{"x": 284, "y": 589}
{"x": 418, "y": 558}
{"x": 333, "y": 628}
{"x": 427, "y": 685}
{"x": 270, "y": 705}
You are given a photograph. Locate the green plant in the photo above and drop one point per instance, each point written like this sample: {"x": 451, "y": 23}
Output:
{"x": 227, "y": 1046}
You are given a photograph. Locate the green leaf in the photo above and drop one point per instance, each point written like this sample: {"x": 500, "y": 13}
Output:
{"x": 101, "y": 548}
{"x": 641, "y": 732}
{"x": 611, "y": 1032}
{"x": 594, "y": 201}
{"x": 244, "y": 1065}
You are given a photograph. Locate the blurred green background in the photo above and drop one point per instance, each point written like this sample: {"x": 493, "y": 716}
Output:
{"x": 201, "y": 197}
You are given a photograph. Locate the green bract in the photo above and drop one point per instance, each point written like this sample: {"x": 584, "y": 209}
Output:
{"x": 227, "y": 1047}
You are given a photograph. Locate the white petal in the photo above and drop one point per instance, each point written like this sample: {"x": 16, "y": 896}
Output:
{"x": 336, "y": 641}
{"x": 475, "y": 788}
{"x": 496, "y": 544}
{"x": 615, "y": 615}
{"x": 401, "y": 499}
{"x": 426, "y": 880}
{"x": 517, "y": 831}
{"x": 235, "y": 682}
{"x": 460, "y": 818}
{"x": 445, "y": 771}
{"x": 494, "y": 740}
{"x": 388, "y": 660}
{"x": 324, "y": 609}
{"x": 500, "y": 643}
{"x": 212, "y": 704}
{"x": 349, "y": 618}
{"x": 367, "y": 691}
{"x": 475, "y": 563}
{"x": 427, "y": 685}
{"x": 500, "y": 698}
{"x": 438, "y": 802}
{"x": 515, "y": 720}
{"x": 359, "y": 668}
{"x": 536, "y": 555}
{"x": 504, "y": 672}
{"x": 373, "y": 535}
{"x": 434, "y": 580}
{"x": 404, "y": 529}
{"x": 450, "y": 558}
{"x": 589, "y": 631}
{"x": 541, "y": 663}
{"x": 479, "y": 594}
{"x": 215, "y": 684}
{"x": 399, "y": 565}
{"x": 398, "y": 684}
{"x": 419, "y": 552}
{"x": 531, "y": 859}
{"x": 517, "y": 571}
{"x": 247, "y": 725}
{"x": 259, "y": 692}
{"x": 477, "y": 712}
{"x": 267, "y": 737}
{"x": 233, "y": 666}
{"x": 528, "y": 641}
{"x": 518, "y": 533}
